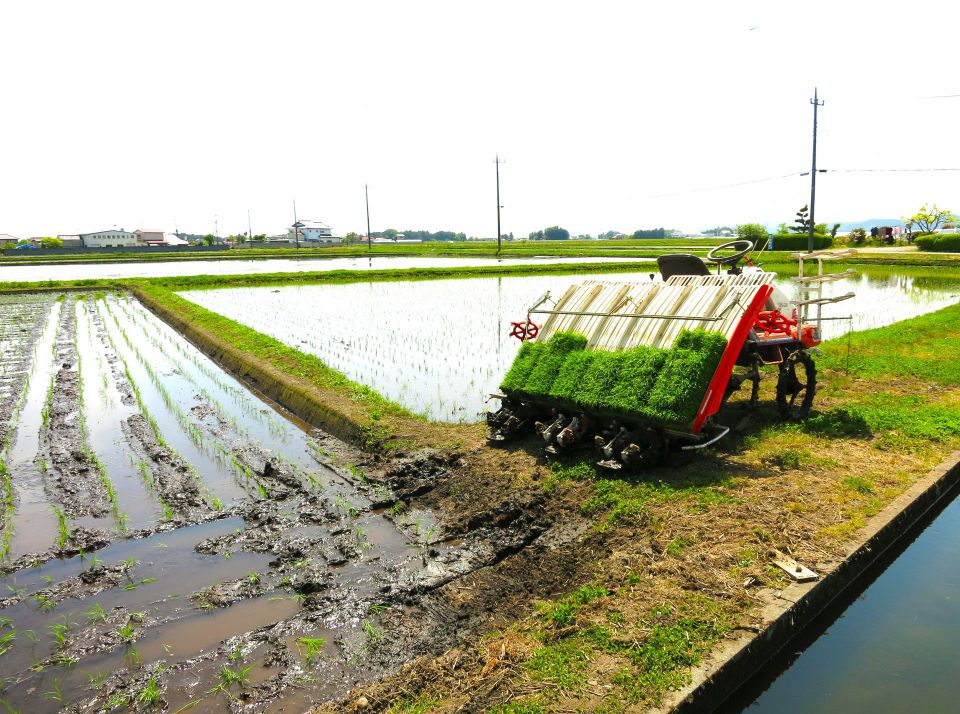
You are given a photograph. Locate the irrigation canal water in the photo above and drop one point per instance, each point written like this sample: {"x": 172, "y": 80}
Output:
{"x": 895, "y": 649}
{"x": 84, "y": 271}
{"x": 440, "y": 347}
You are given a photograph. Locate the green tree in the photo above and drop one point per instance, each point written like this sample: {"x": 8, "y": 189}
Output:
{"x": 833, "y": 230}
{"x": 209, "y": 239}
{"x": 858, "y": 236}
{"x": 929, "y": 218}
{"x": 556, "y": 233}
{"x": 802, "y": 221}
{"x": 51, "y": 242}
{"x": 536, "y": 235}
{"x": 351, "y": 237}
{"x": 650, "y": 233}
{"x": 753, "y": 232}
{"x": 259, "y": 237}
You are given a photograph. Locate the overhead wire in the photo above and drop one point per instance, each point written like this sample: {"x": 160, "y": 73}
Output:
{"x": 721, "y": 187}
{"x": 888, "y": 170}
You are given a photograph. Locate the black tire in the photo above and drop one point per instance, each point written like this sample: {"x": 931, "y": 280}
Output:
{"x": 796, "y": 386}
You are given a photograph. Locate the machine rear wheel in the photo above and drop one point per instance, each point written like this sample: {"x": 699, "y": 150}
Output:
{"x": 796, "y": 386}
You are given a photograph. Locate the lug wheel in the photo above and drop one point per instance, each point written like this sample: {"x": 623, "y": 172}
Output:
{"x": 796, "y": 386}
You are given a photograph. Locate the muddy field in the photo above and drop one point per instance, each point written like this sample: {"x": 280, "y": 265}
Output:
{"x": 173, "y": 541}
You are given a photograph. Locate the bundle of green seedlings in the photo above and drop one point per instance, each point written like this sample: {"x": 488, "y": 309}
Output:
{"x": 650, "y": 384}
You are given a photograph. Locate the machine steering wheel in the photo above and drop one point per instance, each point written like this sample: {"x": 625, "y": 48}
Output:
{"x": 729, "y": 259}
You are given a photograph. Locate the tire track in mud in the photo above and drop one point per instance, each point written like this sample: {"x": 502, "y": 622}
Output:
{"x": 376, "y": 603}
{"x": 74, "y": 478}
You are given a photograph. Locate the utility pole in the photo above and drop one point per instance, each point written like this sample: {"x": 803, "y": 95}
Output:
{"x": 813, "y": 171}
{"x": 296, "y": 226}
{"x": 216, "y": 229}
{"x": 249, "y": 232}
{"x": 497, "y": 161}
{"x": 366, "y": 195}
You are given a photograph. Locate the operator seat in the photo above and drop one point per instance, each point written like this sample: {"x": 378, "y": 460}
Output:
{"x": 681, "y": 264}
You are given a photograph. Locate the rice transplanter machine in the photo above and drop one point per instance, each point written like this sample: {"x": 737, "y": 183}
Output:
{"x": 761, "y": 327}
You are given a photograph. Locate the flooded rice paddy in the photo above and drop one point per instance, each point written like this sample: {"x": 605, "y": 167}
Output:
{"x": 159, "y": 269}
{"x": 440, "y": 347}
{"x": 169, "y": 538}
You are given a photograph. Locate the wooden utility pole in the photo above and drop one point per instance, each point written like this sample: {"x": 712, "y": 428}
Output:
{"x": 497, "y": 161}
{"x": 296, "y": 226}
{"x": 813, "y": 171}
{"x": 366, "y": 195}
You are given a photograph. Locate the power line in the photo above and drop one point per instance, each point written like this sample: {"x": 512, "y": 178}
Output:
{"x": 767, "y": 179}
{"x": 723, "y": 186}
{"x": 850, "y": 171}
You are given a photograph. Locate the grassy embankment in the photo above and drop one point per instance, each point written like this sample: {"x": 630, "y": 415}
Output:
{"x": 687, "y": 550}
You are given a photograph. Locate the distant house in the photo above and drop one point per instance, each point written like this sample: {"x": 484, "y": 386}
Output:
{"x": 7, "y": 239}
{"x": 312, "y": 232}
{"x": 109, "y": 239}
{"x": 149, "y": 236}
{"x": 70, "y": 240}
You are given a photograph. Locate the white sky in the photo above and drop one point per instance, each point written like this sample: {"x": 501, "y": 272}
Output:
{"x": 171, "y": 113}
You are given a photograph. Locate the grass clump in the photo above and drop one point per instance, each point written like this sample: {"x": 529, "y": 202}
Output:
{"x": 924, "y": 347}
{"x": 561, "y": 664}
{"x": 563, "y": 612}
{"x": 657, "y": 654}
{"x": 522, "y": 707}
{"x": 413, "y": 706}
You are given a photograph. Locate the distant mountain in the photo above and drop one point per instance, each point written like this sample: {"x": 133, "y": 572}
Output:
{"x": 870, "y": 223}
